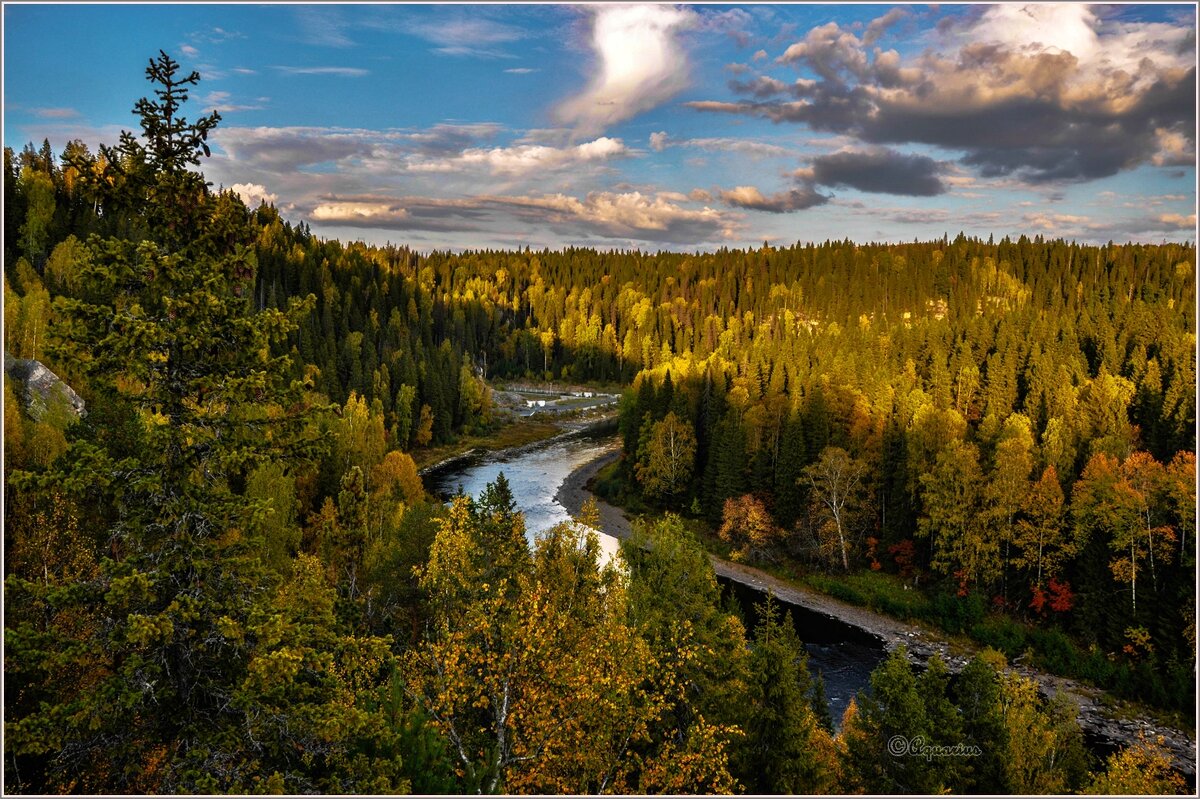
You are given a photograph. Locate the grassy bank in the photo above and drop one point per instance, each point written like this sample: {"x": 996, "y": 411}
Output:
{"x": 515, "y": 434}
{"x": 1048, "y": 649}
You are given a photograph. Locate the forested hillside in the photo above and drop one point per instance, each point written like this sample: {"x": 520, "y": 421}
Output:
{"x": 226, "y": 577}
{"x": 1014, "y": 420}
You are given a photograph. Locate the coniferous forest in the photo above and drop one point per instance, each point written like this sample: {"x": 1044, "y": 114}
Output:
{"x": 226, "y": 576}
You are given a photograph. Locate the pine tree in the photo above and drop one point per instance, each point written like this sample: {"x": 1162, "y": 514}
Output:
{"x": 164, "y": 333}
{"x": 892, "y": 712}
{"x": 782, "y": 751}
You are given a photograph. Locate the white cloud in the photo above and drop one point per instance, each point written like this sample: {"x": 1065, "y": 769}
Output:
{"x": 1068, "y": 28}
{"x": 1061, "y": 224}
{"x": 1174, "y": 149}
{"x": 641, "y": 65}
{"x": 188, "y": 50}
{"x": 215, "y": 36}
{"x": 751, "y": 198}
{"x": 474, "y": 36}
{"x": 660, "y": 141}
{"x": 222, "y": 102}
{"x": 630, "y": 214}
{"x": 472, "y": 52}
{"x": 345, "y": 72}
{"x": 253, "y": 194}
{"x": 1099, "y": 47}
{"x": 524, "y": 158}
{"x": 472, "y": 30}
{"x": 323, "y": 26}
{"x": 634, "y": 216}
{"x": 520, "y": 71}
{"x": 54, "y": 113}
{"x": 1178, "y": 220}
{"x": 350, "y": 212}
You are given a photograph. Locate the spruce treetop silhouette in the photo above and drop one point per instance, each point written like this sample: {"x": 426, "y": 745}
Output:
{"x": 150, "y": 176}
{"x": 174, "y": 142}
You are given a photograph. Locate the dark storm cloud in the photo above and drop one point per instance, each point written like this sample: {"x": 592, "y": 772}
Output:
{"x": 880, "y": 170}
{"x": 1041, "y": 137}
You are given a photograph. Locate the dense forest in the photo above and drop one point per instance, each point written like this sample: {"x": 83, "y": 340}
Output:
{"x": 226, "y": 576}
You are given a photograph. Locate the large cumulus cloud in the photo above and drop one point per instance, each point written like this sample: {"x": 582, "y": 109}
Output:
{"x": 877, "y": 169}
{"x": 1039, "y": 93}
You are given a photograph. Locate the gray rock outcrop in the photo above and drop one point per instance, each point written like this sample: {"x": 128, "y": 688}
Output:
{"x": 41, "y": 389}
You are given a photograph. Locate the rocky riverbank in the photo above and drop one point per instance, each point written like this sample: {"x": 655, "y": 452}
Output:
{"x": 919, "y": 643}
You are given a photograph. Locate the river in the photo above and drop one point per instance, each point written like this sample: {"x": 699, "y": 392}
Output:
{"x": 843, "y": 654}
{"x": 534, "y": 474}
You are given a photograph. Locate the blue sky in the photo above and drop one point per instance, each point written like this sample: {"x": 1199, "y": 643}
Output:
{"x": 652, "y": 126}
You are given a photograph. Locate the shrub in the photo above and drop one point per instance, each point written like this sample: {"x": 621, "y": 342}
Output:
{"x": 1002, "y": 633}
{"x": 956, "y": 614}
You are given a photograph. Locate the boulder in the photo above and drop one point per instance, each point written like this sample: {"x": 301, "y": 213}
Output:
{"x": 41, "y": 389}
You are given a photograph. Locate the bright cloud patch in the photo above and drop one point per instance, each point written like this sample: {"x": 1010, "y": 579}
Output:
{"x": 625, "y": 215}
{"x": 350, "y": 212}
{"x": 793, "y": 200}
{"x": 525, "y": 158}
{"x": 1178, "y": 221}
{"x": 661, "y": 217}
{"x": 253, "y": 194}
{"x": 640, "y": 65}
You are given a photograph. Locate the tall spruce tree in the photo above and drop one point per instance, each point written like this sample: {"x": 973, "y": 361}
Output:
{"x": 783, "y": 747}
{"x": 141, "y": 691}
